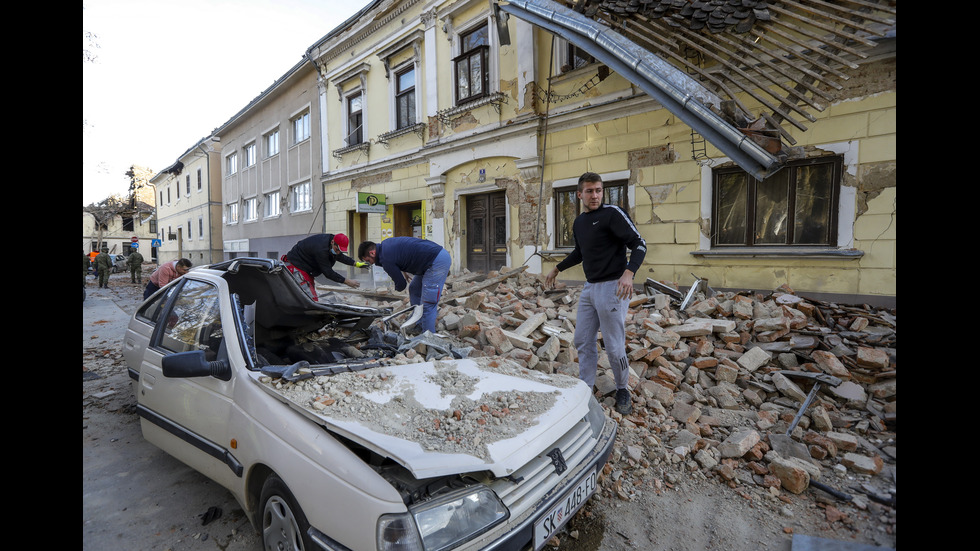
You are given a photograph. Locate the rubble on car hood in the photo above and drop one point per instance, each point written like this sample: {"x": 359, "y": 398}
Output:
{"x": 442, "y": 417}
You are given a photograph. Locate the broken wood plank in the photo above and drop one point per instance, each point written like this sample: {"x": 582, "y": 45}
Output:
{"x": 484, "y": 285}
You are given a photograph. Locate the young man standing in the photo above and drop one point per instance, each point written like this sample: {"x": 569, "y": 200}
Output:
{"x": 316, "y": 255}
{"x": 602, "y": 235}
{"x": 425, "y": 259}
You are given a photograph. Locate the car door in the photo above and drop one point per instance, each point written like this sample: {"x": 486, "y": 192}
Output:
{"x": 188, "y": 416}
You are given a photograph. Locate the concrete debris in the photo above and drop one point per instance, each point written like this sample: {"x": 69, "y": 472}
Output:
{"x": 704, "y": 380}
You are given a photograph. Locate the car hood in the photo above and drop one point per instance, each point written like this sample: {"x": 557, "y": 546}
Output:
{"x": 443, "y": 417}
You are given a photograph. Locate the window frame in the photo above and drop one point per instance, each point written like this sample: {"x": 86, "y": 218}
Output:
{"x": 409, "y": 95}
{"x": 295, "y": 196}
{"x": 249, "y": 155}
{"x": 481, "y": 50}
{"x": 622, "y": 184}
{"x": 231, "y": 213}
{"x": 358, "y": 94}
{"x": 272, "y": 203}
{"x": 250, "y": 209}
{"x": 791, "y": 172}
{"x": 271, "y": 138}
{"x": 231, "y": 163}
{"x": 301, "y": 127}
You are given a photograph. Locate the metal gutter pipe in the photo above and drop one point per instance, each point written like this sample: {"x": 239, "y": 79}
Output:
{"x": 207, "y": 160}
{"x": 679, "y": 94}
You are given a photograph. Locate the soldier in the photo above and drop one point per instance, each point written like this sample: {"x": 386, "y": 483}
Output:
{"x": 103, "y": 264}
{"x": 135, "y": 262}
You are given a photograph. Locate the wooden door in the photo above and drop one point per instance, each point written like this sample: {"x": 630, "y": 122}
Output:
{"x": 486, "y": 231}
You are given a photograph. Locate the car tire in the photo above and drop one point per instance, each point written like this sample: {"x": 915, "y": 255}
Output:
{"x": 284, "y": 526}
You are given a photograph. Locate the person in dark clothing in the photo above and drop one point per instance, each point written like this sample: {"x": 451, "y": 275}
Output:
{"x": 135, "y": 263}
{"x": 426, "y": 260}
{"x": 603, "y": 233}
{"x": 103, "y": 264}
{"x": 316, "y": 255}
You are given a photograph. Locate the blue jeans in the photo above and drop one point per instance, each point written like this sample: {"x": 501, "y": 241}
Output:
{"x": 426, "y": 289}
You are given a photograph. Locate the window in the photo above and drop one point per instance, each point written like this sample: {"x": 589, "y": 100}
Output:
{"x": 249, "y": 155}
{"x": 272, "y": 206}
{"x": 575, "y": 58}
{"x": 472, "y": 74}
{"x": 189, "y": 237}
{"x": 168, "y": 195}
{"x": 198, "y": 180}
{"x": 355, "y": 119}
{"x": 795, "y": 206}
{"x": 301, "y": 127}
{"x": 405, "y": 98}
{"x": 302, "y": 198}
{"x": 200, "y": 227}
{"x": 188, "y": 185}
{"x": 195, "y": 321}
{"x": 272, "y": 143}
{"x": 231, "y": 163}
{"x": 232, "y": 213}
{"x": 568, "y": 207}
{"x": 251, "y": 209}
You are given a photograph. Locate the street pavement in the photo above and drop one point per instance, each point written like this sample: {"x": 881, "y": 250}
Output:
{"x": 135, "y": 496}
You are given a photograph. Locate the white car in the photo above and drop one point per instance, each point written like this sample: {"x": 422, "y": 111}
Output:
{"x": 243, "y": 377}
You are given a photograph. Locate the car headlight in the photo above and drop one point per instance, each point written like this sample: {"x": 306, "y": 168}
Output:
{"x": 398, "y": 533}
{"x": 443, "y": 522}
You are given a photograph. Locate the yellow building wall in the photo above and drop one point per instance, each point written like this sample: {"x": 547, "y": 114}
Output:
{"x": 668, "y": 212}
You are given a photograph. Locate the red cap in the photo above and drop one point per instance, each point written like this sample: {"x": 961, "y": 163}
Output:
{"x": 341, "y": 241}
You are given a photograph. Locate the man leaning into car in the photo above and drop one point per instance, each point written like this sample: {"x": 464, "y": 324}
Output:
{"x": 165, "y": 274}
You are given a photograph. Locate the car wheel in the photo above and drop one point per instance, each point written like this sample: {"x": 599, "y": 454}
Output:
{"x": 284, "y": 526}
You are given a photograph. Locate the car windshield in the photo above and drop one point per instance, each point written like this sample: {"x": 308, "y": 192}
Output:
{"x": 275, "y": 322}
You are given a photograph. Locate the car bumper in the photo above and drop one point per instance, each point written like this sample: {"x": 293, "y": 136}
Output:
{"x": 519, "y": 533}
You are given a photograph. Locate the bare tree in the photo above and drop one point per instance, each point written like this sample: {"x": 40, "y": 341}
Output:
{"x": 104, "y": 211}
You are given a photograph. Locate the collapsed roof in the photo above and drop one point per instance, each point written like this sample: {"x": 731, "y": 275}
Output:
{"x": 700, "y": 58}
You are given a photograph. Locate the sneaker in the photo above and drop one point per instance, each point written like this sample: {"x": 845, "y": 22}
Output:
{"x": 624, "y": 404}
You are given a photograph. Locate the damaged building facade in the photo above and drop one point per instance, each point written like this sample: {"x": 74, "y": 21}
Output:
{"x": 457, "y": 122}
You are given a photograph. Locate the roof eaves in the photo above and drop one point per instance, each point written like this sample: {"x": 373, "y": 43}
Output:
{"x": 258, "y": 99}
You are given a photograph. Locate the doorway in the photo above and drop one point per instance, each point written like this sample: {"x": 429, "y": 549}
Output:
{"x": 408, "y": 220}
{"x": 486, "y": 231}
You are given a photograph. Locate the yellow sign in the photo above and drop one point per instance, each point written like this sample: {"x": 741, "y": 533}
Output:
{"x": 388, "y": 223}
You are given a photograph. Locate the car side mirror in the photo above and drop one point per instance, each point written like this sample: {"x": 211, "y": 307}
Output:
{"x": 193, "y": 364}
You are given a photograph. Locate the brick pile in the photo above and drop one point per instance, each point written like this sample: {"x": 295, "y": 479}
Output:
{"x": 708, "y": 383}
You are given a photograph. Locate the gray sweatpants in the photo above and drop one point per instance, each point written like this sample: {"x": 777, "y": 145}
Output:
{"x": 599, "y": 308}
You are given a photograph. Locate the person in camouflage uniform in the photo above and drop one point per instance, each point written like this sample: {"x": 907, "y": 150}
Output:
{"x": 135, "y": 262}
{"x": 103, "y": 263}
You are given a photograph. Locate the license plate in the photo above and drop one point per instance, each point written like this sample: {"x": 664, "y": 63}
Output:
{"x": 556, "y": 517}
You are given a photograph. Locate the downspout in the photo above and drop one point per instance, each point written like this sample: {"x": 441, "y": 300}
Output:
{"x": 207, "y": 160}
{"x": 649, "y": 73}
{"x": 319, "y": 80}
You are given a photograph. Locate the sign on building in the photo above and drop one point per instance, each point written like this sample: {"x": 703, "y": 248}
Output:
{"x": 371, "y": 202}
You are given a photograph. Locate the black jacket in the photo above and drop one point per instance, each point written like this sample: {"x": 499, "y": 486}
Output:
{"x": 314, "y": 256}
{"x": 601, "y": 239}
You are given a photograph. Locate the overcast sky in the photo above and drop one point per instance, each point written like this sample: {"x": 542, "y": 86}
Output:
{"x": 168, "y": 72}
